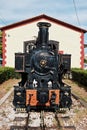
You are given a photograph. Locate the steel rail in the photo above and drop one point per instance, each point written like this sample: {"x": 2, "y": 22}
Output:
{"x": 42, "y": 124}
{"x": 82, "y": 102}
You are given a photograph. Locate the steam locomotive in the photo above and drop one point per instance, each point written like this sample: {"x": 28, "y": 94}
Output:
{"x": 41, "y": 68}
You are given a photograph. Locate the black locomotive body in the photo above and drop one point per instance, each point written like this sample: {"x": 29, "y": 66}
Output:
{"x": 41, "y": 70}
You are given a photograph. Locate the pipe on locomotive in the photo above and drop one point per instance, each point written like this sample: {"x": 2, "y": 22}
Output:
{"x": 43, "y": 34}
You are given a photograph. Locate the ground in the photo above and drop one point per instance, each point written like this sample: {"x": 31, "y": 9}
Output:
{"x": 77, "y": 112}
{"x": 78, "y": 89}
{"x": 6, "y": 86}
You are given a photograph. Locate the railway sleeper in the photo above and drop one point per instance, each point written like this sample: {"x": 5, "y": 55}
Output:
{"x": 39, "y": 128}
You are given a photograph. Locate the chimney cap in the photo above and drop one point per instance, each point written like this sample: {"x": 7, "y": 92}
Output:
{"x": 43, "y": 24}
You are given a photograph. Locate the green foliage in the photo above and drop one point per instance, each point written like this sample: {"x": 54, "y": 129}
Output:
{"x": 80, "y": 76}
{"x": 0, "y": 33}
{"x": 0, "y": 49}
{"x": 85, "y": 61}
{"x": 7, "y": 73}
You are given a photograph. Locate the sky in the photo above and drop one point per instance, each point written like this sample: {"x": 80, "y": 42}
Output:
{"x": 70, "y": 11}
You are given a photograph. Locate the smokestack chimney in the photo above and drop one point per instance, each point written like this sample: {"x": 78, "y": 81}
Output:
{"x": 43, "y": 34}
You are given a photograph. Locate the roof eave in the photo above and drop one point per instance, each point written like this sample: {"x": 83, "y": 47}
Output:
{"x": 43, "y": 16}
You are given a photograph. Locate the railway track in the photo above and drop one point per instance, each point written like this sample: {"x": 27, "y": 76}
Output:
{"x": 45, "y": 121}
{"x": 56, "y": 122}
{"x": 82, "y": 102}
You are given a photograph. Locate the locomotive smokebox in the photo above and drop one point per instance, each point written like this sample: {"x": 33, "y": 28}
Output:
{"x": 43, "y": 35}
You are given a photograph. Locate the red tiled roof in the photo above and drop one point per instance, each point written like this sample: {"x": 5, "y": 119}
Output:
{"x": 43, "y": 16}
